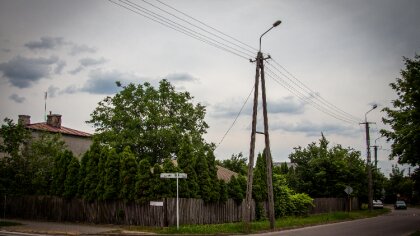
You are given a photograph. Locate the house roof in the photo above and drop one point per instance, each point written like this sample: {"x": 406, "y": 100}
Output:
{"x": 225, "y": 174}
{"x": 63, "y": 130}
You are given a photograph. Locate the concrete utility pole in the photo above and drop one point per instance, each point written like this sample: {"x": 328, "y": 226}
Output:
{"x": 369, "y": 167}
{"x": 248, "y": 200}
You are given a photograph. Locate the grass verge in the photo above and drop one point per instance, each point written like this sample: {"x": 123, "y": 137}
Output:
{"x": 8, "y": 223}
{"x": 261, "y": 226}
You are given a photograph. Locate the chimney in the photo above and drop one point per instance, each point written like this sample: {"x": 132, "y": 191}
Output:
{"x": 54, "y": 120}
{"x": 24, "y": 120}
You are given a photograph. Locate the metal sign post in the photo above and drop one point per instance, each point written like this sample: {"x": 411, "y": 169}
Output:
{"x": 175, "y": 176}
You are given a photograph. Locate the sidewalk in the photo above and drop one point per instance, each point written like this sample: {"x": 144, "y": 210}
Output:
{"x": 55, "y": 228}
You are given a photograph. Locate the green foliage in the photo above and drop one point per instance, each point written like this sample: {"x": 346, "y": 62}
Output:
{"x": 14, "y": 136}
{"x": 128, "y": 175}
{"x": 112, "y": 176}
{"x": 235, "y": 190}
{"x": 152, "y": 122}
{"x": 212, "y": 169}
{"x": 203, "y": 176}
{"x": 286, "y": 201}
{"x": 92, "y": 178}
{"x": 324, "y": 172}
{"x": 259, "y": 184}
{"x": 404, "y": 119}
{"x": 223, "y": 191}
{"x": 236, "y": 163}
{"x": 72, "y": 176}
{"x": 143, "y": 181}
{"x": 398, "y": 184}
{"x": 41, "y": 154}
{"x": 59, "y": 172}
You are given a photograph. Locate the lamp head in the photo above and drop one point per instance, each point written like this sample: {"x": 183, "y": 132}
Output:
{"x": 374, "y": 106}
{"x": 277, "y": 23}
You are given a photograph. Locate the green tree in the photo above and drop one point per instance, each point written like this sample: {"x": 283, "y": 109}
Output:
{"x": 41, "y": 154}
{"x": 112, "y": 176}
{"x": 59, "y": 172}
{"x": 152, "y": 122}
{"x": 235, "y": 190}
{"x": 203, "y": 176}
{"x": 92, "y": 178}
{"x": 14, "y": 177}
{"x": 128, "y": 175}
{"x": 324, "y": 172}
{"x": 101, "y": 173}
{"x": 398, "y": 185}
{"x": 71, "y": 182}
{"x": 236, "y": 163}
{"x": 143, "y": 181}
{"x": 259, "y": 184}
{"x": 404, "y": 119}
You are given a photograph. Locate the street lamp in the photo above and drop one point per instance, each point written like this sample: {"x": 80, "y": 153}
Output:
{"x": 260, "y": 71}
{"x": 274, "y": 25}
{"x": 369, "y": 169}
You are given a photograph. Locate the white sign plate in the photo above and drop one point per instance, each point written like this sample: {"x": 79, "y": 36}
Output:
{"x": 168, "y": 175}
{"x": 152, "y": 203}
{"x": 348, "y": 190}
{"x": 173, "y": 175}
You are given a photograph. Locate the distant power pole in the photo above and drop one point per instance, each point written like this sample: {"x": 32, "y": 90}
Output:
{"x": 248, "y": 200}
{"x": 368, "y": 164}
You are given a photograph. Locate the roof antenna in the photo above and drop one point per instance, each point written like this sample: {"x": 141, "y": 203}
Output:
{"x": 45, "y": 107}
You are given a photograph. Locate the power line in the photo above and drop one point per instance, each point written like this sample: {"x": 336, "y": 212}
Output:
{"x": 297, "y": 87}
{"x": 236, "y": 118}
{"x": 298, "y": 94}
{"x": 135, "y": 8}
{"x": 196, "y": 26}
{"x": 218, "y": 31}
{"x": 312, "y": 93}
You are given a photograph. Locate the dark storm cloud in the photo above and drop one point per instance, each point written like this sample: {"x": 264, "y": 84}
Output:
{"x": 76, "y": 70}
{"x": 180, "y": 77}
{"x": 46, "y": 43}
{"x": 91, "y": 61}
{"x": 311, "y": 129}
{"x": 287, "y": 105}
{"x": 17, "y": 98}
{"x": 22, "y": 72}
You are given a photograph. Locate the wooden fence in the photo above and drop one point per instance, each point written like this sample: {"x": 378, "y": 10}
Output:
{"x": 192, "y": 211}
{"x": 322, "y": 205}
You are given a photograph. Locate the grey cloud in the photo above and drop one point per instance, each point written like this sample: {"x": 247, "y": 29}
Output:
{"x": 6, "y": 50}
{"x": 17, "y": 98}
{"x": 59, "y": 67}
{"x": 180, "y": 77}
{"x": 52, "y": 91}
{"x": 103, "y": 82}
{"x": 76, "y": 70}
{"x": 287, "y": 105}
{"x": 22, "y": 72}
{"x": 45, "y": 43}
{"x": 79, "y": 49}
{"x": 311, "y": 129}
{"x": 91, "y": 61}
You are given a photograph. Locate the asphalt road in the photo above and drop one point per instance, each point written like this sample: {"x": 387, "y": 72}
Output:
{"x": 398, "y": 222}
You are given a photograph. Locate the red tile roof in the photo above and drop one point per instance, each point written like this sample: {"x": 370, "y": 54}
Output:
{"x": 225, "y": 174}
{"x": 63, "y": 130}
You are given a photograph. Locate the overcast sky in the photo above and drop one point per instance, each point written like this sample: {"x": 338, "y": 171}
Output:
{"x": 346, "y": 52}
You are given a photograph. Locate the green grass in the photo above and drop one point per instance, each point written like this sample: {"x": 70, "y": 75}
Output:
{"x": 261, "y": 226}
{"x": 8, "y": 223}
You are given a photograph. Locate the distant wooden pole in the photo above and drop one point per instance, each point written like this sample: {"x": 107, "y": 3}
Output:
{"x": 248, "y": 197}
{"x": 267, "y": 148}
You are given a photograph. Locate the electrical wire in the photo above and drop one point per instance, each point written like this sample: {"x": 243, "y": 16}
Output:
{"x": 236, "y": 118}
{"x": 312, "y": 93}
